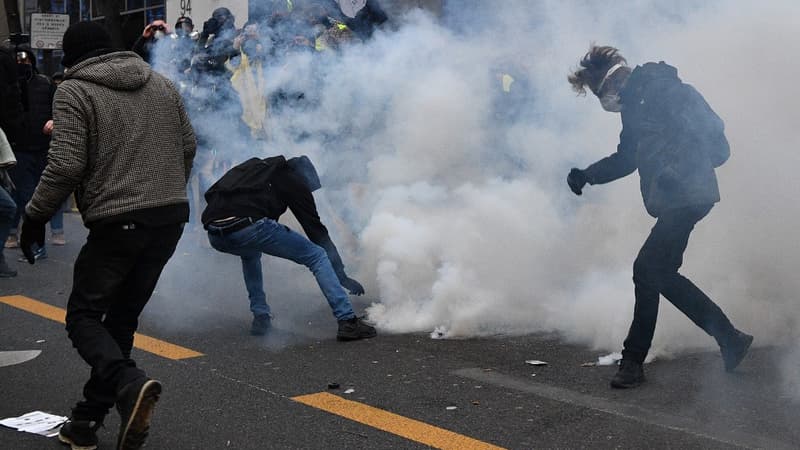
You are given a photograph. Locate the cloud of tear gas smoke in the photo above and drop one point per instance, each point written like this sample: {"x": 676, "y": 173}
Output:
{"x": 455, "y": 213}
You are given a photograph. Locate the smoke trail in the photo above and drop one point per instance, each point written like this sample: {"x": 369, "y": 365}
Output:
{"x": 460, "y": 219}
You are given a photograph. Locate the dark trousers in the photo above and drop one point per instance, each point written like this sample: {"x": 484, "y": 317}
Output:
{"x": 115, "y": 274}
{"x": 655, "y": 273}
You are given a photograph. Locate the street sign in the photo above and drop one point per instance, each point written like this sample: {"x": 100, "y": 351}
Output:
{"x": 47, "y": 30}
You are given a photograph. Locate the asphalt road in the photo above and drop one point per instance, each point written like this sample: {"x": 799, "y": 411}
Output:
{"x": 242, "y": 393}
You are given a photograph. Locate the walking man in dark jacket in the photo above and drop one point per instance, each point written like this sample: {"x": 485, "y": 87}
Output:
{"x": 675, "y": 140}
{"x": 33, "y": 140}
{"x": 242, "y": 219}
{"x": 123, "y": 143}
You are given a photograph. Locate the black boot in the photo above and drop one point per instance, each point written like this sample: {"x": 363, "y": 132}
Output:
{"x": 353, "y": 329}
{"x": 80, "y": 434}
{"x": 135, "y": 404}
{"x": 261, "y": 324}
{"x": 734, "y": 350}
{"x": 629, "y": 375}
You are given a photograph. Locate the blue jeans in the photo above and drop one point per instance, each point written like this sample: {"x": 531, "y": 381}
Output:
{"x": 57, "y": 221}
{"x": 8, "y": 209}
{"x": 25, "y": 176}
{"x": 270, "y": 237}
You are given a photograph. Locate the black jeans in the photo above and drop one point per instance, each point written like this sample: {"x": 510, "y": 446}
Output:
{"x": 115, "y": 274}
{"x": 656, "y": 272}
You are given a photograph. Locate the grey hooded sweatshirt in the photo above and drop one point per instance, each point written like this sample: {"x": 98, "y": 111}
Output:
{"x": 121, "y": 141}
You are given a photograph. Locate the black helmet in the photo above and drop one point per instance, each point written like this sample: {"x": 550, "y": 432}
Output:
{"x": 184, "y": 20}
{"x": 223, "y": 16}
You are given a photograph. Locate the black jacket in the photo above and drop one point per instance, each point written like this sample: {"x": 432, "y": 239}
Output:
{"x": 267, "y": 188}
{"x": 672, "y": 136}
{"x": 10, "y": 99}
{"x": 367, "y": 20}
{"x": 37, "y": 96}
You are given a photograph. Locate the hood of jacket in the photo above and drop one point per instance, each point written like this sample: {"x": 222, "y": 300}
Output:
{"x": 121, "y": 71}
{"x": 648, "y": 76}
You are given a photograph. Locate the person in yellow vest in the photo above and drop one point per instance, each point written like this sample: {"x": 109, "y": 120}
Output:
{"x": 249, "y": 80}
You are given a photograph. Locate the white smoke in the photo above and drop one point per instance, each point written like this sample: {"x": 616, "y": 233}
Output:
{"x": 456, "y": 221}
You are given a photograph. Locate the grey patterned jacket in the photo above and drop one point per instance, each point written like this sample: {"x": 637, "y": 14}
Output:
{"x": 121, "y": 141}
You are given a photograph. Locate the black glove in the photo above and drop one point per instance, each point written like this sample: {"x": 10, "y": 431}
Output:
{"x": 577, "y": 180}
{"x": 32, "y": 232}
{"x": 353, "y": 286}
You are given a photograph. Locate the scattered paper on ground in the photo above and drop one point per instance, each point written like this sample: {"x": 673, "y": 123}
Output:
{"x": 610, "y": 359}
{"x": 535, "y": 362}
{"x": 12, "y": 358}
{"x": 37, "y": 422}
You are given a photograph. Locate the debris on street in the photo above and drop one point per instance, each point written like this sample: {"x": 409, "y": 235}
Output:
{"x": 536, "y": 362}
{"x": 610, "y": 359}
{"x": 36, "y": 422}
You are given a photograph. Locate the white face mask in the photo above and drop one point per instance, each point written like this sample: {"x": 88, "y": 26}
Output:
{"x": 610, "y": 102}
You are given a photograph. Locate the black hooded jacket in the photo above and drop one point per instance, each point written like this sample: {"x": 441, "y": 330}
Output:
{"x": 672, "y": 136}
{"x": 10, "y": 103}
{"x": 37, "y": 101}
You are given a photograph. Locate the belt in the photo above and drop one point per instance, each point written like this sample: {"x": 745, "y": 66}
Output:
{"x": 228, "y": 226}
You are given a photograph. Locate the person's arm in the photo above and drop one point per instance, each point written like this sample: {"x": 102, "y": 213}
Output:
{"x": 188, "y": 137}
{"x": 66, "y": 159}
{"x": 615, "y": 166}
{"x": 301, "y": 202}
{"x": 140, "y": 47}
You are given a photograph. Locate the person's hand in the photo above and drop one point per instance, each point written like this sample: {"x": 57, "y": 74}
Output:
{"x": 48, "y": 127}
{"x": 348, "y": 283}
{"x": 32, "y": 232}
{"x": 577, "y": 180}
{"x": 157, "y": 25}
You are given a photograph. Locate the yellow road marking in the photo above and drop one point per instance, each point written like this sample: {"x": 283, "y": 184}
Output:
{"x": 140, "y": 341}
{"x": 393, "y": 423}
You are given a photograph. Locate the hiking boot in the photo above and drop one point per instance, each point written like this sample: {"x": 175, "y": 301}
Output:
{"x": 734, "y": 351}
{"x": 354, "y": 329}
{"x": 80, "y": 434}
{"x": 135, "y": 404}
{"x": 12, "y": 241}
{"x": 629, "y": 375}
{"x": 261, "y": 324}
{"x": 5, "y": 271}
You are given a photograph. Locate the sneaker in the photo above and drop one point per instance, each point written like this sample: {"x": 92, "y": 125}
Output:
{"x": 12, "y": 242}
{"x": 58, "y": 239}
{"x": 79, "y": 434}
{"x": 135, "y": 404}
{"x": 261, "y": 325}
{"x": 5, "y": 271}
{"x": 629, "y": 375}
{"x": 39, "y": 253}
{"x": 734, "y": 352}
{"x": 354, "y": 329}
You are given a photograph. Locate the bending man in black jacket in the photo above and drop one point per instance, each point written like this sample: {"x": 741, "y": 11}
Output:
{"x": 675, "y": 140}
{"x": 242, "y": 219}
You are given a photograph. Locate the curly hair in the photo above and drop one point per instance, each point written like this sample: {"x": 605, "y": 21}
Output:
{"x": 593, "y": 67}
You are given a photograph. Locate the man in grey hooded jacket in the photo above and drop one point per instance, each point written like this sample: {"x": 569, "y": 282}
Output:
{"x": 123, "y": 143}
